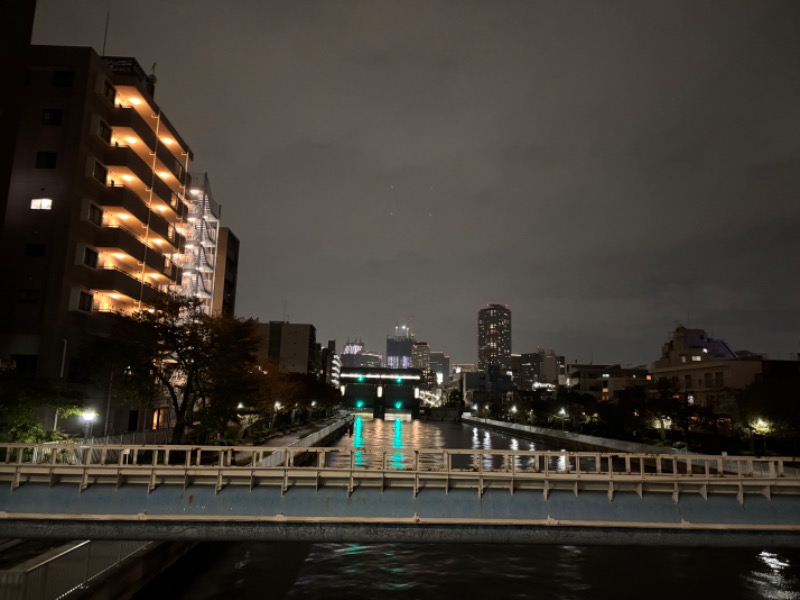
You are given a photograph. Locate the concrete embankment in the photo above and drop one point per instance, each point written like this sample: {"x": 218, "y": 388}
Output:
{"x": 567, "y": 439}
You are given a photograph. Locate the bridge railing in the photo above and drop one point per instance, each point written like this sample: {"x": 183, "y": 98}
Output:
{"x": 255, "y": 465}
{"x": 122, "y": 455}
{"x": 65, "y": 569}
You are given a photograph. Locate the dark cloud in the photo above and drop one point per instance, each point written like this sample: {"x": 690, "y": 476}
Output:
{"x": 607, "y": 169}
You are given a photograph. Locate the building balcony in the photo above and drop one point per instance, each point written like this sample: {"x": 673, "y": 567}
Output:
{"x": 116, "y": 281}
{"x": 124, "y": 157}
{"x": 130, "y": 121}
{"x": 113, "y": 239}
{"x": 175, "y": 167}
{"x": 121, "y": 197}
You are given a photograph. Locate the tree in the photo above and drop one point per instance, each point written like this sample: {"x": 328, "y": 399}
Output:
{"x": 773, "y": 407}
{"x": 201, "y": 364}
{"x": 229, "y": 380}
{"x": 21, "y": 402}
{"x": 276, "y": 392}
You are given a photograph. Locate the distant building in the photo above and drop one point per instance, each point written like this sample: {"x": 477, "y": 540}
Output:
{"x": 494, "y": 337}
{"x": 420, "y": 356}
{"x": 355, "y": 355}
{"x": 551, "y": 367}
{"x": 331, "y": 364}
{"x": 526, "y": 370}
{"x": 354, "y": 347}
{"x": 706, "y": 370}
{"x": 292, "y": 346}
{"x": 605, "y": 382}
{"x": 440, "y": 365}
{"x": 692, "y": 346}
{"x": 226, "y": 273}
{"x": 399, "y": 348}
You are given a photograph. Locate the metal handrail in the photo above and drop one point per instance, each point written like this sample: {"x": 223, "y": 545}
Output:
{"x": 597, "y": 463}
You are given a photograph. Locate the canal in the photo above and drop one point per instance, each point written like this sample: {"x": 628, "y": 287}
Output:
{"x": 434, "y": 571}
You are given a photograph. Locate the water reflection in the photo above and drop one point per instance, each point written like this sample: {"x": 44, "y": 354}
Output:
{"x": 470, "y": 571}
{"x": 773, "y": 578}
{"x": 397, "y": 442}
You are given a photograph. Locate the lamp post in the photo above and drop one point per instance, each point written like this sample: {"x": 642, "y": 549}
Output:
{"x": 88, "y": 417}
{"x": 563, "y": 414}
{"x": 277, "y": 407}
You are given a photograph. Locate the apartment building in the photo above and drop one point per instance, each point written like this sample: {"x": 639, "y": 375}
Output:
{"x": 95, "y": 216}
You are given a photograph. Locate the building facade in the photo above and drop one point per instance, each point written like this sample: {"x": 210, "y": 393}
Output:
{"x": 398, "y": 351}
{"x": 95, "y": 218}
{"x": 494, "y": 337}
{"x": 420, "y": 356}
{"x": 292, "y": 346}
{"x": 440, "y": 365}
{"x": 226, "y": 273}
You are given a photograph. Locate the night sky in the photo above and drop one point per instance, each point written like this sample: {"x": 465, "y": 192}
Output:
{"x": 607, "y": 169}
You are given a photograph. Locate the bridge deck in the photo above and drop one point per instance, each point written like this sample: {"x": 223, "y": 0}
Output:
{"x": 129, "y": 490}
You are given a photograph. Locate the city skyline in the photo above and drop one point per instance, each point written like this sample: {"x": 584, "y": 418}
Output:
{"x": 606, "y": 171}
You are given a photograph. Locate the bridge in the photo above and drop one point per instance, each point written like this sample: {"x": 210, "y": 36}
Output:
{"x": 381, "y": 390}
{"x": 398, "y": 495}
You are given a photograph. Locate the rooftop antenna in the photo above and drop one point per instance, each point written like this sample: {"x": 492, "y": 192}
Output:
{"x": 105, "y": 35}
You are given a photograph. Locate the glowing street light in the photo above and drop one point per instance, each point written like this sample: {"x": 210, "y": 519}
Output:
{"x": 88, "y": 416}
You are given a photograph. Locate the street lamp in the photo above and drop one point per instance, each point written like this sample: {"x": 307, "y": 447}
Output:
{"x": 88, "y": 417}
{"x": 274, "y": 415}
{"x": 563, "y": 414}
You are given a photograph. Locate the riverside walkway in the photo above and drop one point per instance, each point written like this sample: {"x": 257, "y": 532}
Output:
{"x": 386, "y": 494}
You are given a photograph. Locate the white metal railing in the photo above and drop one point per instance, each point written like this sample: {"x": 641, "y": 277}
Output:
{"x": 65, "y": 569}
{"x": 415, "y": 468}
{"x": 278, "y": 456}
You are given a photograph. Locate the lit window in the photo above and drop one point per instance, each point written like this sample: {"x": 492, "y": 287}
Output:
{"x": 41, "y": 204}
{"x": 697, "y": 358}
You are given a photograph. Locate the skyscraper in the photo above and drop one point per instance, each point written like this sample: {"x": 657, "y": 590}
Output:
{"x": 398, "y": 347}
{"x": 494, "y": 337}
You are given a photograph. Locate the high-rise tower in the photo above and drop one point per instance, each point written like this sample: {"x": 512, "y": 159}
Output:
{"x": 494, "y": 337}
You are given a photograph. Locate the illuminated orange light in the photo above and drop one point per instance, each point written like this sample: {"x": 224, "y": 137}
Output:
{"x": 131, "y": 140}
{"x": 168, "y": 141}
{"x": 161, "y": 208}
{"x": 135, "y": 101}
{"x": 163, "y": 174}
{"x": 123, "y": 216}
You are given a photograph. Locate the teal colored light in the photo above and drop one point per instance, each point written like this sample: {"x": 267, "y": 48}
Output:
{"x": 360, "y": 404}
{"x": 397, "y": 460}
{"x": 399, "y": 380}
{"x": 360, "y": 379}
{"x": 398, "y": 404}
{"x": 358, "y": 435}
{"x": 397, "y": 442}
